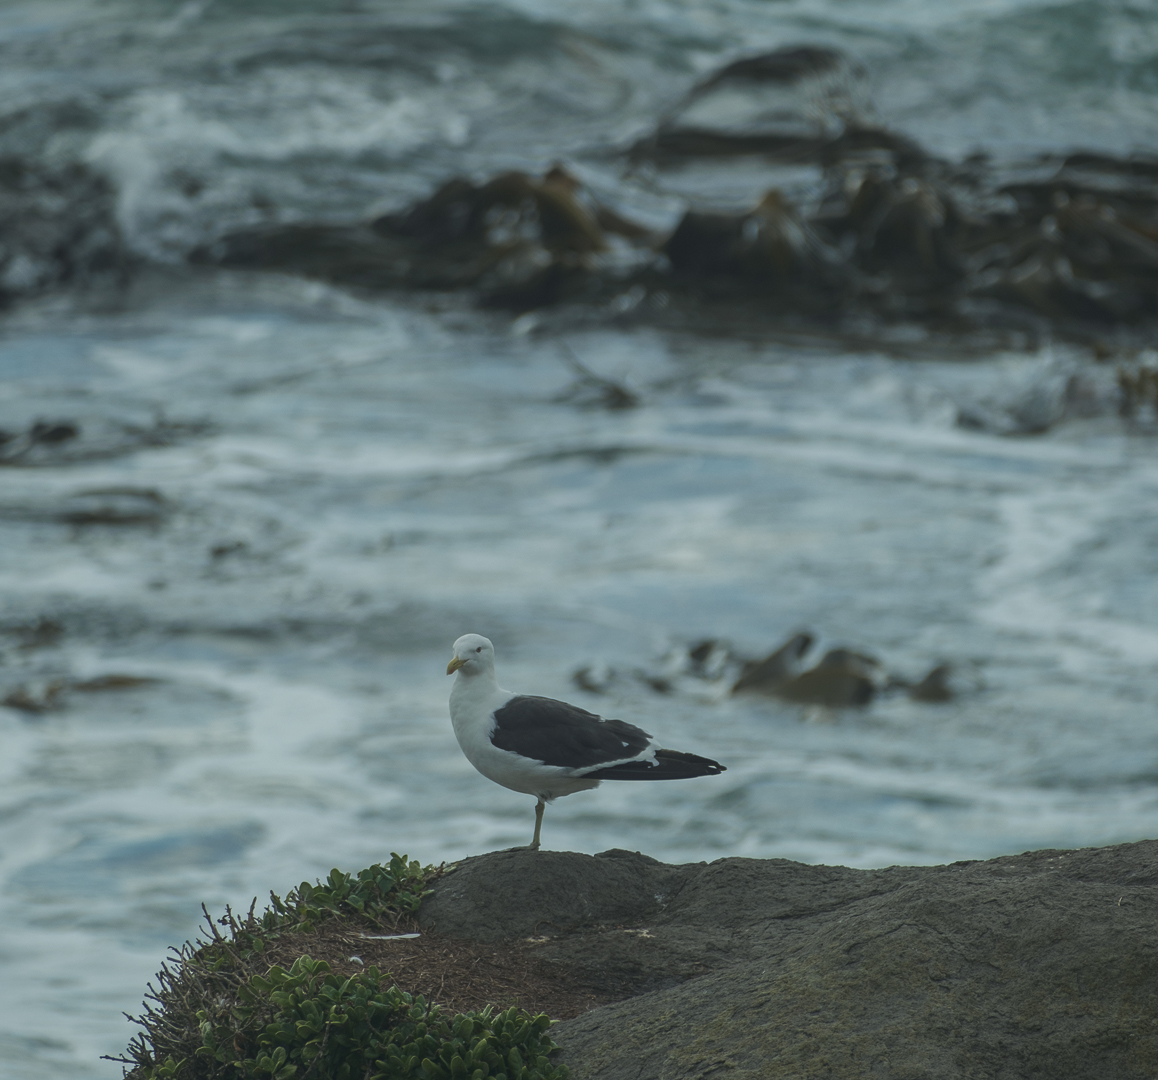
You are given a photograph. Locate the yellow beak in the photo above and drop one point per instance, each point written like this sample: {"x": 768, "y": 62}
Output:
{"x": 454, "y": 665}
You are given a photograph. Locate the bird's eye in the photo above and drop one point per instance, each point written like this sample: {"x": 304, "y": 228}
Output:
{"x": 479, "y": 649}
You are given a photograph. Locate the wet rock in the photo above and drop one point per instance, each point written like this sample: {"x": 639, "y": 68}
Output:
{"x": 35, "y": 698}
{"x": 595, "y": 392}
{"x": 57, "y": 227}
{"x": 842, "y": 677}
{"x": 704, "y": 670}
{"x": 934, "y": 687}
{"x": 709, "y": 659}
{"x": 98, "y": 506}
{"x": 42, "y": 633}
{"x": 230, "y": 547}
{"x": 765, "y": 676}
{"x": 116, "y": 506}
{"x": 511, "y": 209}
{"x": 42, "y": 433}
{"x": 63, "y": 442}
{"x": 51, "y": 433}
{"x": 1138, "y": 390}
{"x": 803, "y": 103}
{"x": 595, "y": 679}
{"x": 906, "y": 227}
{"x": 1028, "y": 965}
{"x": 1082, "y": 245}
{"x": 881, "y": 231}
{"x": 1052, "y": 396}
{"x": 523, "y": 241}
{"x": 46, "y": 696}
{"x": 771, "y": 249}
{"x": 349, "y": 255}
{"x": 661, "y": 684}
{"x": 709, "y": 670}
{"x": 103, "y": 683}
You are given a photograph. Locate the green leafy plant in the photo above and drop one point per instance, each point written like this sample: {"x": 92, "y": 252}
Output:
{"x": 359, "y": 1028}
{"x": 220, "y": 1012}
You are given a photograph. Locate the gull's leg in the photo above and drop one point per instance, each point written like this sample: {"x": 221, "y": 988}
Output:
{"x": 538, "y": 824}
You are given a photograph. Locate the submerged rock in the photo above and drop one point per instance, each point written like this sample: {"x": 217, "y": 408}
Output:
{"x": 1138, "y": 390}
{"x": 522, "y": 241}
{"x": 1028, "y": 965}
{"x": 46, "y": 696}
{"x": 796, "y": 104}
{"x": 712, "y": 669}
{"x": 882, "y": 230}
{"x": 771, "y": 250}
{"x": 591, "y": 391}
{"x": 765, "y": 676}
{"x": 61, "y": 442}
{"x": 841, "y": 678}
{"x": 1053, "y": 395}
{"x": 934, "y": 687}
{"x": 57, "y": 227}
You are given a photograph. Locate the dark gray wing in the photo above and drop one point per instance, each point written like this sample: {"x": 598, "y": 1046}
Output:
{"x": 556, "y": 733}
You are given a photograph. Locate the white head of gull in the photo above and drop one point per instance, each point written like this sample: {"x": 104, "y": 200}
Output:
{"x": 548, "y": 748}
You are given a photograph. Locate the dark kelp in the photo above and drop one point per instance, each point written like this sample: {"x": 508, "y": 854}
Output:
{"x": 890, "y": 231}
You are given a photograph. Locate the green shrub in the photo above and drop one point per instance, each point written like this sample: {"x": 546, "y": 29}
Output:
{"x": 221, "y": 1013}
{"x": 358, "y": 1028}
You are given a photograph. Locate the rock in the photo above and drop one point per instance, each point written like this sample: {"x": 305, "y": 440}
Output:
{"x": 97, "y": 506}
{"x": 58, "y": 227}
{"x": 42, "y": 633}
{"x": 906, "y": 228}
{"x": 51, "y": 433}
{"x": 42, "y": 433}
{"x": 1084, "y": 245}
{"x": 60, "y": 442}
{"x": 591, "y": 391}
{"x": 115, "y": 506}
{"x": 764, "y": 676}
{"x": 841, "y": 678}
{"x": 935, "y": 686}
{"x": 102, "y": 683}
{"x": 1053, "y": 395}
{"x": 771, "y": 250}
{"x": 708, "y": 659}
{"x": 36, "y": 698}
{"x": 1138, "y": 390}
{"x": 594, "y": 679}
{"x": 865, "y": 225}
{"x": 523, "y": 241}
{"x": 1031, "y": 965}
{"x": 44, "y": 697}
{"x": 804, "y": 103}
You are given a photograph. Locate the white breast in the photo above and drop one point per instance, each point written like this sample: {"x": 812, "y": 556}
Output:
{"x": 472, "y": 706}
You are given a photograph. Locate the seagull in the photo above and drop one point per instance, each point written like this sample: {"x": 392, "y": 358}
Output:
{"x": 548, "y": 748}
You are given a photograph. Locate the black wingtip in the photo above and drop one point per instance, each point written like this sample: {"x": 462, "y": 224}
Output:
{"x": 668, "y": 765}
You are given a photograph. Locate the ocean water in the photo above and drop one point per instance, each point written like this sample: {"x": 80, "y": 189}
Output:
{"x": 229, "y": 601}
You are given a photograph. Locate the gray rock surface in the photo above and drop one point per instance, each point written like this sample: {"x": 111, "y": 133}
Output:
{"x": 1042, "y": 965}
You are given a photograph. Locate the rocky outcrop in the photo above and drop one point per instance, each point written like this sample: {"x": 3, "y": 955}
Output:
{"x": 57, "y": 227}
{"x": 870, "y": 226}
{"x": 1041, "y": 965}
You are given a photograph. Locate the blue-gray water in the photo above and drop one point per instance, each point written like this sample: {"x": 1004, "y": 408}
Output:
{"x": 327, "y": 489}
